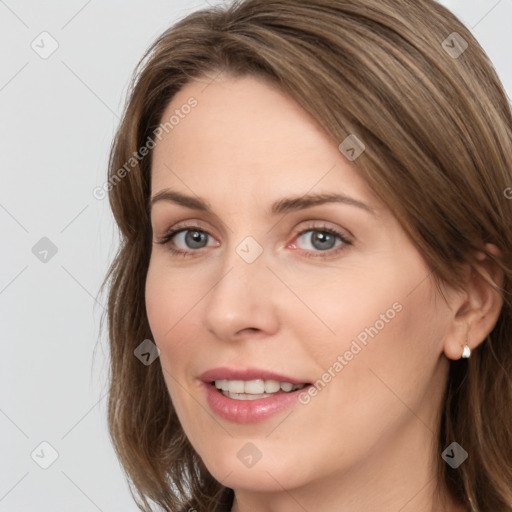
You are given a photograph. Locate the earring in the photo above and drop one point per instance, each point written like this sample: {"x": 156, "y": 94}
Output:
{"x": 467, "y": 351}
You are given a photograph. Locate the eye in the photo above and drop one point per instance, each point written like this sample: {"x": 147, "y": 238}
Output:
{"x": 185, "y": 239}
{"x": 193, "y": 239}
{"x": 322, "y": 239}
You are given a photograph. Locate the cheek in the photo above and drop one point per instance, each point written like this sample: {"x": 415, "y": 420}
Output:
{"x": 380, "y": 326}
{"x": 169, "y": 302}
{"x": 357, "y": 305}
{"x": 170, "y": 296}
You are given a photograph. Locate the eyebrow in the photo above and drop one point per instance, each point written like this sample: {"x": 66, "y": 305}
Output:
{"x": 281, "y": 206}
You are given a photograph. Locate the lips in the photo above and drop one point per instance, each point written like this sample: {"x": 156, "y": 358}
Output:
{"x": 244, "y": 408}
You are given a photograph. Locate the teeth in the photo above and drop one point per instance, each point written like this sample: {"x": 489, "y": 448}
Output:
{"x": 255, "y": 387}
{"x": 272, "y": 386}
{"x": 236, "y": 386}
{"x": 222, "y": 384}
{"x": 252, "y": 387}
{"x": 286, "y": 386}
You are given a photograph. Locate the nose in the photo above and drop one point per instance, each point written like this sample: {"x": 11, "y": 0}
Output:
{"x": 244, "y": 299}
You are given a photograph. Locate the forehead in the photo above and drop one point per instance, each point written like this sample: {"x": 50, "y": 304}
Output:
{"x": 245, "y": 133}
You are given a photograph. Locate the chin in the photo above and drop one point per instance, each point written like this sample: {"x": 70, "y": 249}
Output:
{"x": 263, "y": 478}
{"x": 235, "y": 469}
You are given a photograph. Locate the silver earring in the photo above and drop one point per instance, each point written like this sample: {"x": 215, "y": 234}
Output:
{"x": 467, "y": 351}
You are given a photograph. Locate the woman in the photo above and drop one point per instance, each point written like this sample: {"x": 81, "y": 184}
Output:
{"x": 310, "y": 308}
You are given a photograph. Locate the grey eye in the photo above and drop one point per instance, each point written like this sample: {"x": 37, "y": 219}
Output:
{"x": 319, "y": 240}
{"x": 193, "y": 239}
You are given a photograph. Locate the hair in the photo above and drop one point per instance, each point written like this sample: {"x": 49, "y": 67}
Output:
{"x": 437, "y": 131}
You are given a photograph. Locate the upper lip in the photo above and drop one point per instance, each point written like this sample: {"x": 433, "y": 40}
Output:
{"x": 225, "y": 373}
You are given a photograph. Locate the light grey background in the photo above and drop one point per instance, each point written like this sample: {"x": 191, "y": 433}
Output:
{"x": 58, "y": 117}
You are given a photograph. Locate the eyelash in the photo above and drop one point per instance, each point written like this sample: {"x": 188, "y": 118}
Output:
{"x": 321, "y": 229}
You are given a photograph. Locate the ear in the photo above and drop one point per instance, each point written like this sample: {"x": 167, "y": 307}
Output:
{"x": 475, "y": 310}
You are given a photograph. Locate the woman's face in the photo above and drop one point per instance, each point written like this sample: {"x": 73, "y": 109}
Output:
{"x": 272, "y": 287}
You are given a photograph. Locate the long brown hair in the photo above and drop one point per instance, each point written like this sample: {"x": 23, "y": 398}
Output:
{"x": 411, "y": 82}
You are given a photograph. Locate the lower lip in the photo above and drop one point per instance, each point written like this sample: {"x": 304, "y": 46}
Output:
{"x": 249, "y": 411}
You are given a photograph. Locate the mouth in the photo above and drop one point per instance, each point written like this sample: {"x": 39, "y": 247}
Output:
{"x": 255, "y": 389}
{"x": 250, "y": 395}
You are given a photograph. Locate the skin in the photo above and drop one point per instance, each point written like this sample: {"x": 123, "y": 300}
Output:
{"x": 366, "y": 441}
